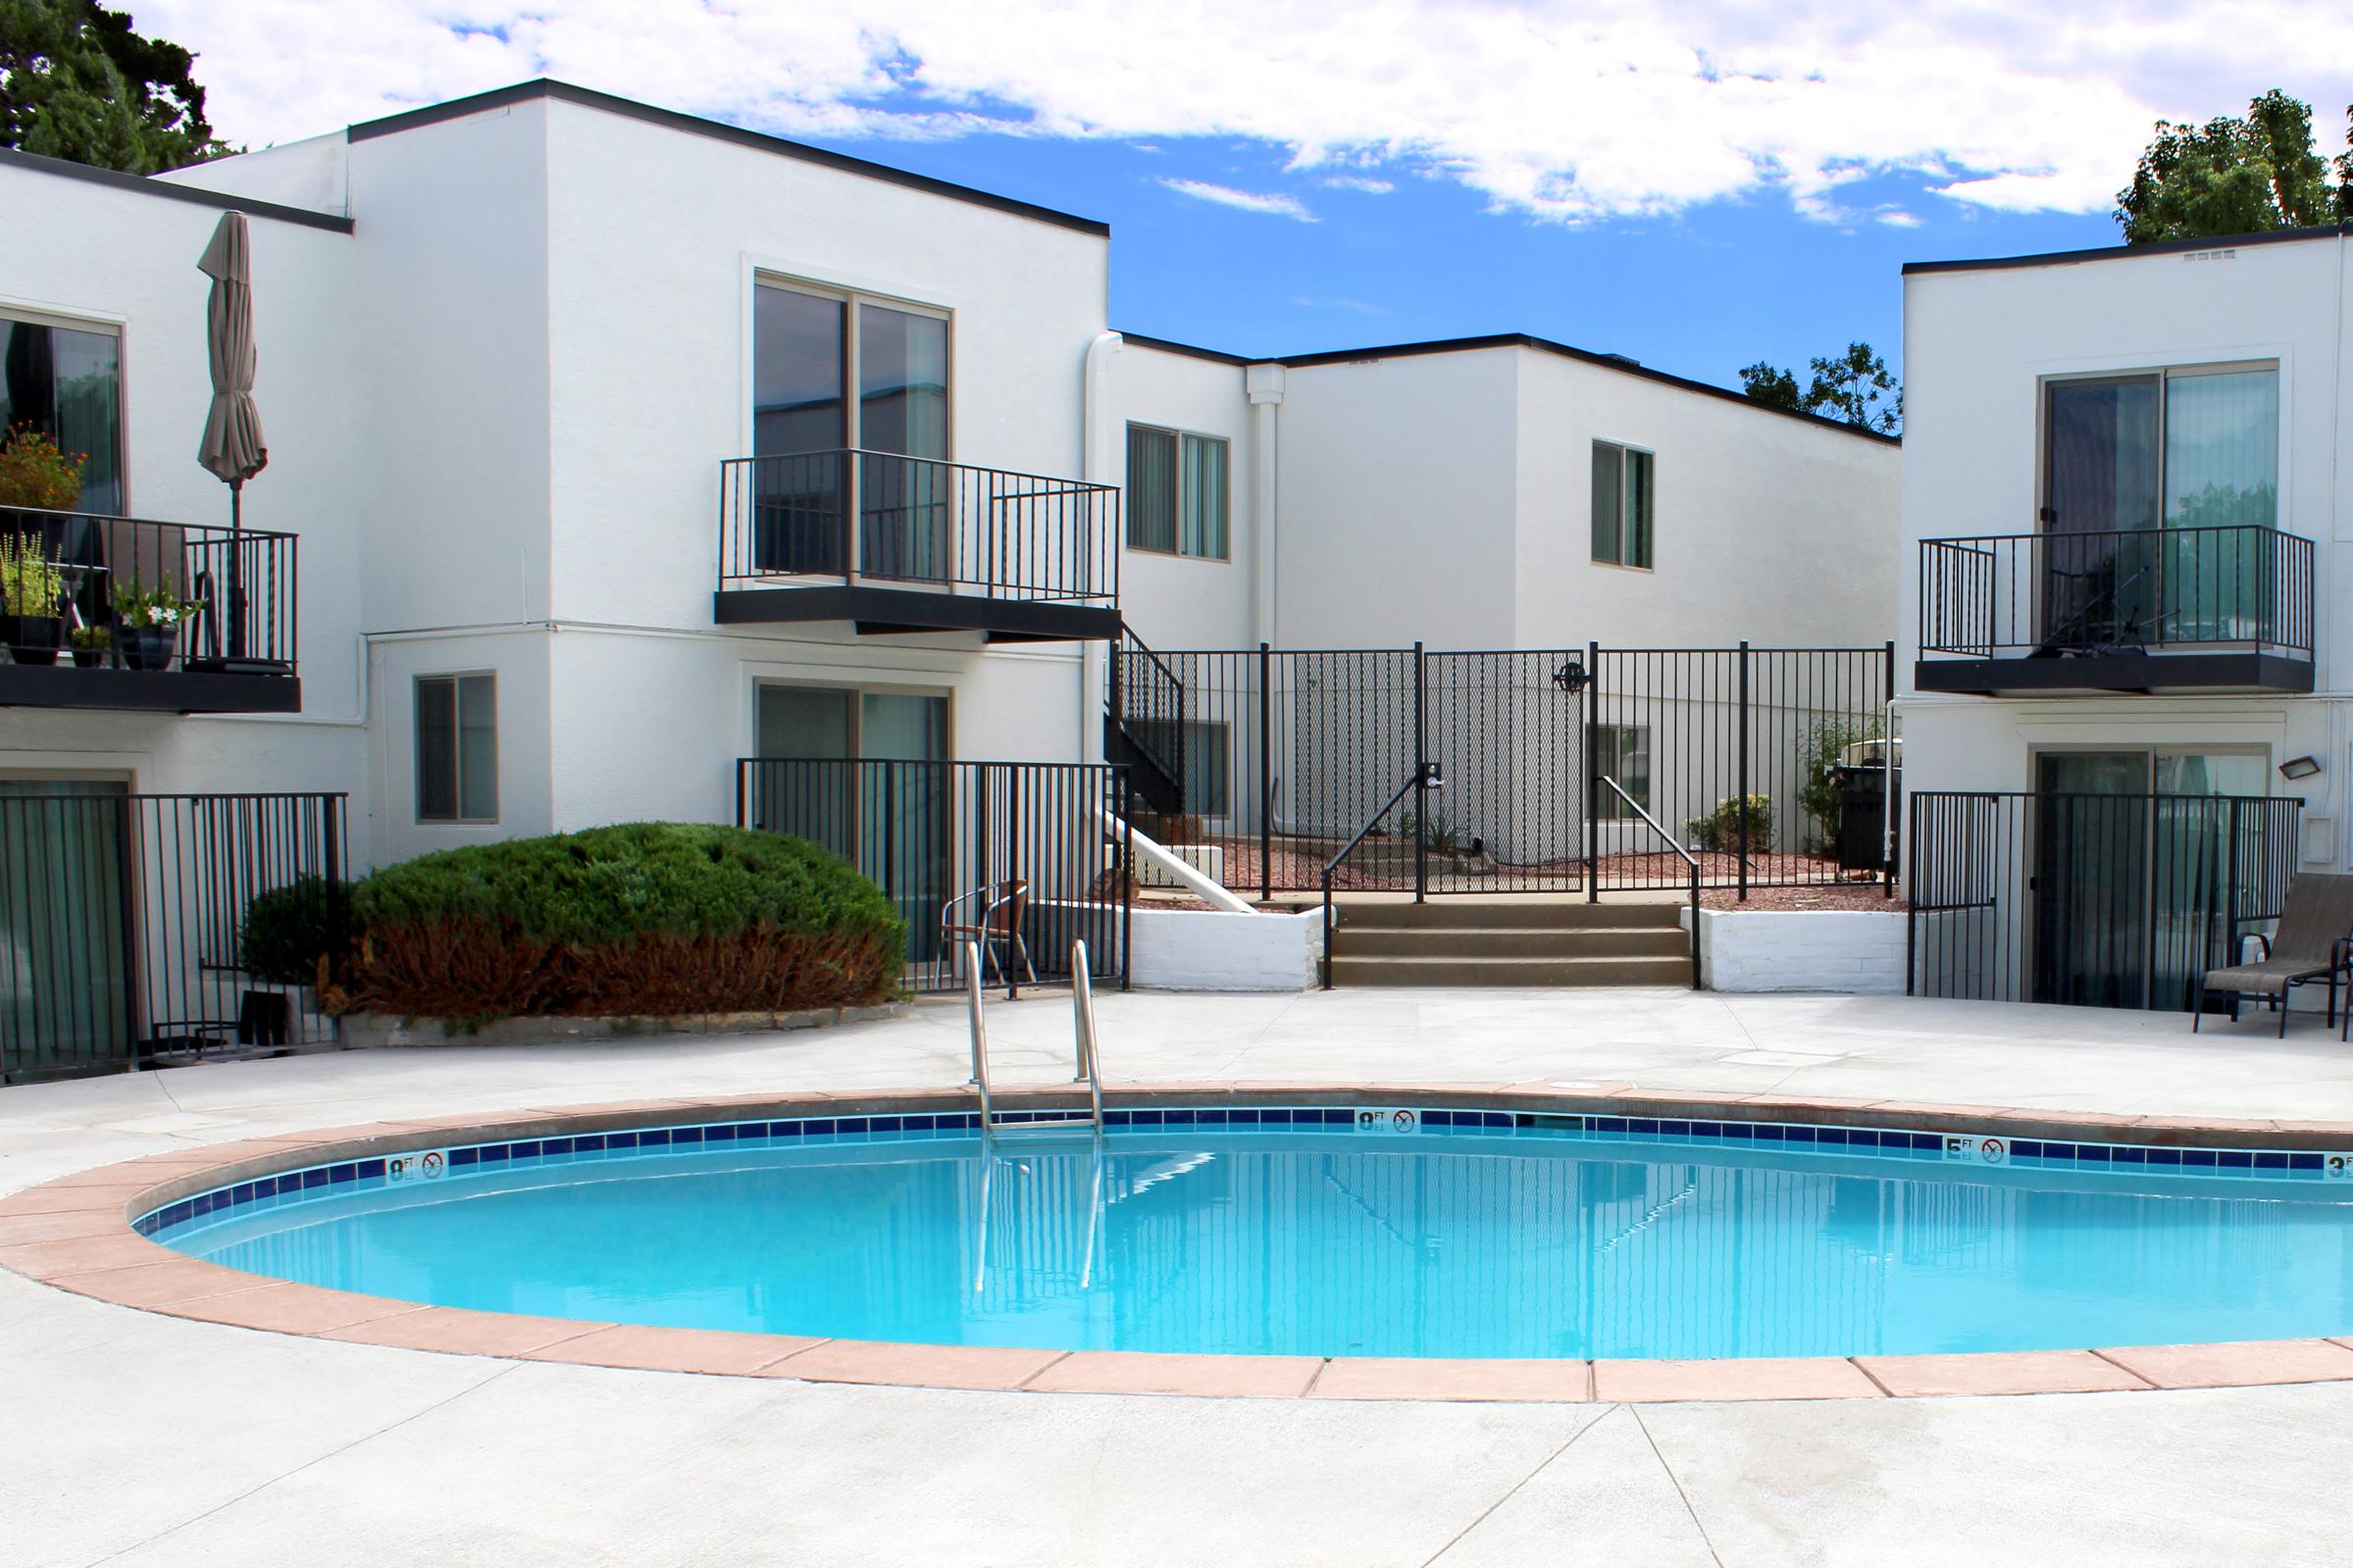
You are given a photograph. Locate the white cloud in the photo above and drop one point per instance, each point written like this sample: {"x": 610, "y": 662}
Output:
{"x": 1897, "y": 217}
{"x": 1359, "y": 182}
{"x": 1249, "y": 201}
{"x": 1618, "y": 108}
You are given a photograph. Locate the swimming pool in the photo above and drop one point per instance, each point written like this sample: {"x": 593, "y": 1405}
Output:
{"x": 1327, "y": 1231}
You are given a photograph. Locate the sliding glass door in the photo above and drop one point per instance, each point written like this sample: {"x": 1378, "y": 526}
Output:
{"x": 2130, "y": 857}
{"x": 862, "y": 774}
{"x": 2155, "y": 486}
{"x": 832, "y": 373}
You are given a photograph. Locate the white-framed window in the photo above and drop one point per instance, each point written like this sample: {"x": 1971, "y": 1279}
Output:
{"x": 64, "y": 378}
{"x": 1622, "y": 504}
{"x": 1621, "y": 751}
{"x": 457, "y": 747}
{"x": 1179, "y": 496}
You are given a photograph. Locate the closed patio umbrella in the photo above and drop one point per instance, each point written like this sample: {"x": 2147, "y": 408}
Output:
{"x": 234, "y": 448}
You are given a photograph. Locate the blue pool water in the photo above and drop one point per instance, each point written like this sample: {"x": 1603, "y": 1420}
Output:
{"x": 1537, "y": 1239}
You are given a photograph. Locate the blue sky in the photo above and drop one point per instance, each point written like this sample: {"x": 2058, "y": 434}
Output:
{"x": 1700, "y": 293}
{"x": 1698, "y": 185}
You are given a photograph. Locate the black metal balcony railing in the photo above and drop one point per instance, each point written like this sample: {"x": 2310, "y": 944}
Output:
{"x": 241, "y": 583}
{"x": 854, "y": 516}
{"x": 2058, "y": 596}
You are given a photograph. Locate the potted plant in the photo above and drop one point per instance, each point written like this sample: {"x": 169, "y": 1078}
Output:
{"x": 33, "y": 600}
{"x": 34, "y": 473}
{"x": 91, "y": 645}
{"x": 151, "y": 620}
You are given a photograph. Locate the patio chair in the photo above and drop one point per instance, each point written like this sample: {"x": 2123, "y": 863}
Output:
{"x": 1000, "y": 909}
{"x": 2313, "y": 942}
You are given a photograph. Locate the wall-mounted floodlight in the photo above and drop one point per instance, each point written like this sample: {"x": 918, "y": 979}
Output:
{"x": 2299, "y": 767}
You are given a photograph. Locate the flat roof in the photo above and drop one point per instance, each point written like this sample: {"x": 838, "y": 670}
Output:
{"x": 716, "y": 130}
{"x": 1543, "y": 345}
{"x": 196, "y": 195}
{"x": 2161, "y": 248}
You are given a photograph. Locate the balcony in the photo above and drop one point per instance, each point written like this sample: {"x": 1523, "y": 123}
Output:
{"x": 232, "y": 654}
{"x": 2138, "y": 610}
{"x": 900, "y": 544}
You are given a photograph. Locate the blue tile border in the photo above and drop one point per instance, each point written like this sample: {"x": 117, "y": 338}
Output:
{"x": 1980, "y": 1149}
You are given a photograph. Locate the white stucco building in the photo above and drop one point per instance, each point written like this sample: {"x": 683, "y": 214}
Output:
{"x": 612, "y": 446}
{"x": 2122, "y": 523}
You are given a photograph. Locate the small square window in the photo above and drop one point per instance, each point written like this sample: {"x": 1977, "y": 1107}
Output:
{"x": 457, "y": 748}
{"x": 1179, "y": 495}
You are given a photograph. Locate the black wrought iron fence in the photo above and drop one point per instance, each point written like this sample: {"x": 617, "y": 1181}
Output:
{"x": 2107, "y": 900}
{"x": 1286, "y": 754}
{"x": 1022, "y": 857}
{"x": 915, "y": 522}
{"x": 123, "y": 920}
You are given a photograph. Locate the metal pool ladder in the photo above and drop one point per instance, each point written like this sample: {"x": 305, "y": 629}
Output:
{"x": 1088, "y": 1073}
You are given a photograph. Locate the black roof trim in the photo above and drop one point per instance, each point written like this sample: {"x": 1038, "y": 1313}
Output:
{"x": 2161, "y": 248}
{"x": 1542, "y": 345}
{"x": 672, "y": 120}
{"x": 1193, "y": 350}
{"x": 195, "y": 194}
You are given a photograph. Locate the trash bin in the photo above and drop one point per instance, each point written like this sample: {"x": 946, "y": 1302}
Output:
{"x": 1864, "y": 799}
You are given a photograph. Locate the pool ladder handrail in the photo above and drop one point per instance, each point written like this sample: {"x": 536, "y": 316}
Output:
{"x": 1083, "y": 1046}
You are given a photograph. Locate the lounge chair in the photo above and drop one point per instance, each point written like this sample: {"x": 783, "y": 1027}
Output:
{"x": 2313, "y": 942}
{"x": 1000, "y": 908}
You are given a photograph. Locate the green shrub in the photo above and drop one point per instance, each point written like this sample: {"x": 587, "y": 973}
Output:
{"x": 1446, "y": 836}
{"x": 1821, "y": 797}
{"x": 291, "y": 930}
{"x": 639, "y": 919}
{"x": 1720, "y": 830}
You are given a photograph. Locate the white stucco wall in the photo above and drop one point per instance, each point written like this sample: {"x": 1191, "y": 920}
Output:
{"x": 127, "y": 258}
{"x": 1765, "y": 527}
{"x": 1978, "y": 344}
{"x": 1196, "y": 949}
{"x": 1176, "y": 602}
{"x": 1850, "y": 951}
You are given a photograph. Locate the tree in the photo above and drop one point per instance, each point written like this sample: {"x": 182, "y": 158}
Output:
{"x": 2235, "y": 176}
{"x": 1854, "y": 388}
{"x": 76, "y": 82}
{"x": 1768, "y": 384}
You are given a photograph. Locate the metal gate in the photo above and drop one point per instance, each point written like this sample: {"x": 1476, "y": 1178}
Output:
{"x": 1262, "y": 763}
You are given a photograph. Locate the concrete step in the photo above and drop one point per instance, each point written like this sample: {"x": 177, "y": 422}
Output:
{"x": 1509, "y": 941}
{"x": 1607, "y": 971}
{"x": 1540, "y": 914}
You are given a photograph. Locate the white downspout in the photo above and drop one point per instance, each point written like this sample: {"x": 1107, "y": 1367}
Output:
{"x": 1264, "y": 386}
{"x": 1102, "y": 463}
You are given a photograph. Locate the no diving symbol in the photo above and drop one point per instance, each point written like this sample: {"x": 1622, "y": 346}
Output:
{"x": 1992, "y": 1151}
{"x": 1402, "y": 1121}
{"x": 432, "y": 1164}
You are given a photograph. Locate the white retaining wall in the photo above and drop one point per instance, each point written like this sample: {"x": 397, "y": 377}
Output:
{"x": 1196, "y": 949}
{"x": 1856, "y": 951}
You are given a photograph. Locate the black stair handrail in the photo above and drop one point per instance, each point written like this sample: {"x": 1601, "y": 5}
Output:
{"x": 1690, "y": 861}
{"x": 1423, "y": 777}
{"x": 1168, "y": 755}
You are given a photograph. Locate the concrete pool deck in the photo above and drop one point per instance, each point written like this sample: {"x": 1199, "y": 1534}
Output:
{"x": 163, "y": 1439}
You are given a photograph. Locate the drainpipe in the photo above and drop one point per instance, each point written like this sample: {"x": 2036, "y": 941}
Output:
{"x": 1264, "y": 386}
{"x": 1102, "y": 463}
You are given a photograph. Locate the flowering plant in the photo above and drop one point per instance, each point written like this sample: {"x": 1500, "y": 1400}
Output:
{"x": 141, "y": 606}
{"x": 34, "y": 473}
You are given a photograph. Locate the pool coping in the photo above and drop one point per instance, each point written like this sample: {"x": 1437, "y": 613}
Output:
{"x": 74, "y": 1233}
